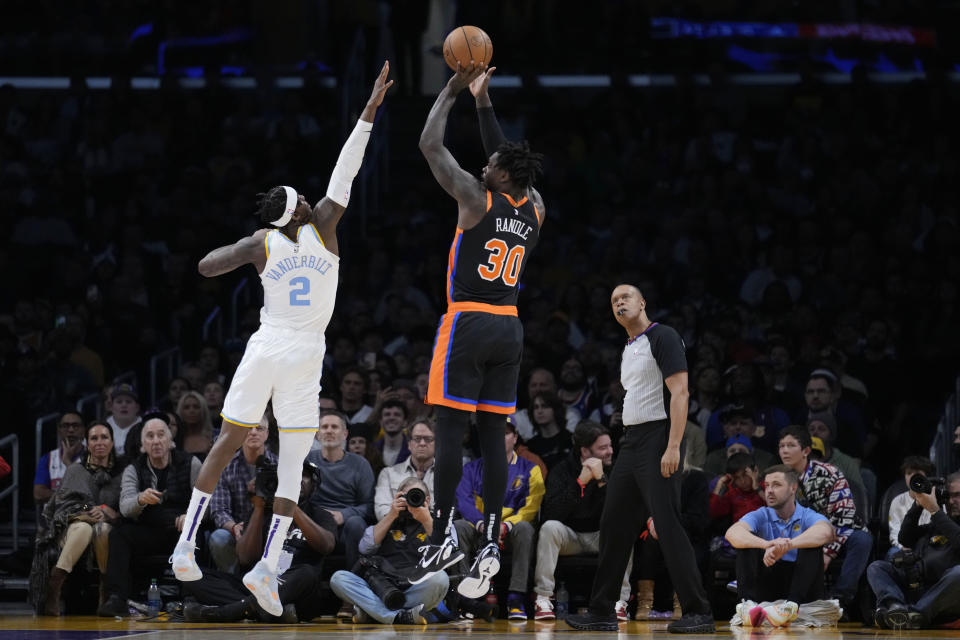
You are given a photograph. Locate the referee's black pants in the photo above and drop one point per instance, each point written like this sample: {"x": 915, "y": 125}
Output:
{"x": 636, "y": 489}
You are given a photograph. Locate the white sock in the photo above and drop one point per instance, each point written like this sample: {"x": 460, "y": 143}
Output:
{"x": 276, "y": 535}
{"x": 198, "y": 506}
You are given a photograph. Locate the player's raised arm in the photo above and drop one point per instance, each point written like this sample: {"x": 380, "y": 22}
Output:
{"x": 454, "y": 180}
{"x": 249, "y": 250}
{"x": 490, "y": 132}
{"x": 327, "y": 213}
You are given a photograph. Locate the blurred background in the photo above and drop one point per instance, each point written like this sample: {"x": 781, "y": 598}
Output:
{"x": 779, "y": 178}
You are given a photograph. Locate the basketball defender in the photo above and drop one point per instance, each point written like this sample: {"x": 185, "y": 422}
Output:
{"x": 476, "y": 358}
{"x": 298, "y": 262}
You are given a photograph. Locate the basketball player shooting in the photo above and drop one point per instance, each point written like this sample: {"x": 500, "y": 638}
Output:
{"x": 476, "y": 358}
{"x": 298, "y": 262}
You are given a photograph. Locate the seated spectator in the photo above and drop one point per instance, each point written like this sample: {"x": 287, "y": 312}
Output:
{"x": 541, "y": 380}
{"x": 823, "y": 425}
{"x": 780, "y": 545}
{"x": 155, "y": 492}
{"x": 550, "y": 441}
{"x": 390, "y": 551}
{"x": 520, "y": 506}
{"x": 213, "y": 393}
{"x": 747, "y": 391}
{"x": 823, "y": 394}
{"x": 326, "y": 403}
{"x": 124, "y": 415}
{"x": 353, "y": 386}
{"x": 934, "y": 564}
{"x": 737, "y": 492}
{"x": 738, "y": 429}
{"x": 53, "y": 464}
{"x": 911, "y": 466}
{"x": 80, "y": 515}
{"x": 197, "y": 434}
{"x": 175, "y": 388}
{"x": 570, "y": 515}
{"x": 393, "y": 444}
{"x": 406, "y": 392}
{"x": 826, "y": 491}
{"x": 230, "y": 504}
{"x": 577, "y": 391}
{"x": 346, "y": 488}
{"x": 418, "y": 465}
{"x": 222, "y": 597}
{"x": 360, "y": 442}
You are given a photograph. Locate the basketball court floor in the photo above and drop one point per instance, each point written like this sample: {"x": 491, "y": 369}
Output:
{"x": 24, "y": 627}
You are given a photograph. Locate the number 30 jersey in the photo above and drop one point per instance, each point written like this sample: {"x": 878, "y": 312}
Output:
{"x": 487, "y": 261}
{"x": 299, "y": 281}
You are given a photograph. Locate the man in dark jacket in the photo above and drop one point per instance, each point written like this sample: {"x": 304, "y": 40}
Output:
{"x": 921, "y": 587}
{"x": 576, "y": 490}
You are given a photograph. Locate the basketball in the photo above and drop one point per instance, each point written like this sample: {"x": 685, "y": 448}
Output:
{"x": 467, "y": 43}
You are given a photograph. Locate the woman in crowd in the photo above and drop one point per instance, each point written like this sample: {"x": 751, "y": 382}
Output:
{"x": 197, "y": 437}
{"x": 79, "y": 516}
{"x": 175, "y": 389}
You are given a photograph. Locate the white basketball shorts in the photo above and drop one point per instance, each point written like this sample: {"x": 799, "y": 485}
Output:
{"x": 282, "y": 364}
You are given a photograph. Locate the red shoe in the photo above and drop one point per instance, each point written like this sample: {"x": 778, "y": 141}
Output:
{"x": 543, "y": 609}
{"x": 621, "y": 610}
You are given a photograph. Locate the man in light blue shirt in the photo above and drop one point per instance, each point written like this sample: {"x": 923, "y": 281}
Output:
{"x": 779, "y": 546}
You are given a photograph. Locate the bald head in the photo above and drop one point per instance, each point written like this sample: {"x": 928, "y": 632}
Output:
{"x": 628, "y": 305}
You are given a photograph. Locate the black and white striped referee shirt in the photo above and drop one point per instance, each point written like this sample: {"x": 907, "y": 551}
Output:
{"x": 648, "y": 359}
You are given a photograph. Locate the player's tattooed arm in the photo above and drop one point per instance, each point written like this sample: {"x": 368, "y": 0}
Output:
{"x": 462, "y": 186}
{"x": 249, "y": 250}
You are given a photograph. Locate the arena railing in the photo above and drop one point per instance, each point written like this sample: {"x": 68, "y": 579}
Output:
{"x": 168, "y": 361}
{"x": 14, "y": 489}
{"x": 241, "y": 293}
{"x": 941, "y": 451}
{"x": 213, "y": 325}
{"x": 91, "y": 399}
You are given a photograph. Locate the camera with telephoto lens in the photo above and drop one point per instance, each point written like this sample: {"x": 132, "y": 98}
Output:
{"x": 919, "y": 483}
{"x": 376, "y": 572}
{"x": 911, "y": 565}
{"x": 415, "y": 497}
{"x": 265, "y": 483}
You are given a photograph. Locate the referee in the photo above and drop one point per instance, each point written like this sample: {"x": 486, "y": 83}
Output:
{"x": 645, "y": 479}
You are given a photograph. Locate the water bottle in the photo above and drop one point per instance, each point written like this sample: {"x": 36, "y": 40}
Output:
{"x": 563, "y": 601}
{"x": 153, "y": 598}
{"x": 491, "y": 598}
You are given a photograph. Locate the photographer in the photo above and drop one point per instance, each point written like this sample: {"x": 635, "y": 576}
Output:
{"x": 921, "y": 588}
{"x": 377, "y": 586}
{"x": 221, "y": 596}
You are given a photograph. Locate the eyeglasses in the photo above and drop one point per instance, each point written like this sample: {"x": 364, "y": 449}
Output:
{"x": 71, "y": 425}
{"x": 422, "y": 439}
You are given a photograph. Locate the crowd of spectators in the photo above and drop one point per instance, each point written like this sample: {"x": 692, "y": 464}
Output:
{"x": 804, "y": 241}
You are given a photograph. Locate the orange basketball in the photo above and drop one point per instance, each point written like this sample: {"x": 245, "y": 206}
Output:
{"x": 467, "y": 43}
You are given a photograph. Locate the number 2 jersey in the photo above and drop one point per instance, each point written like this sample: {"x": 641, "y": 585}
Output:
{"x": 299, "y": 281}
{"x": 487, "y": 261}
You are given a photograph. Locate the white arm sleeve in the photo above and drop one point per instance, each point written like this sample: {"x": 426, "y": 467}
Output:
{"x": 348, "y": 164}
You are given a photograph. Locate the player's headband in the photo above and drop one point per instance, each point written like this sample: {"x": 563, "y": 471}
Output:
{"x": 291, "y": 207}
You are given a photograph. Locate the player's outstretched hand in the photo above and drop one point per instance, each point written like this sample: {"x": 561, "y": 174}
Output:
{"x": 380, "y": 86}
{"x": 464, "y": 76}
{"x": 481, "y": 84}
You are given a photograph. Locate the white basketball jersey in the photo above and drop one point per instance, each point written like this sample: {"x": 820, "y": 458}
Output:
{"x": 299, "y": 281}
